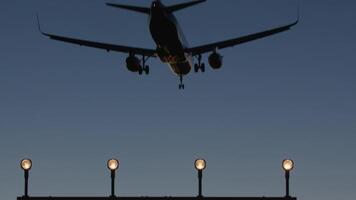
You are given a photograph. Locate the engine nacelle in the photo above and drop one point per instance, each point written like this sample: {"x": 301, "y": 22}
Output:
{"x": 133, "y": 63}
{"x": 215, "y": 60}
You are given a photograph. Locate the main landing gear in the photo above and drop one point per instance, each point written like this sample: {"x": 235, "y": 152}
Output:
{"x": 181, "y": 85}
{"x": 199, "y": 65}
{"x": 145, "y": 68}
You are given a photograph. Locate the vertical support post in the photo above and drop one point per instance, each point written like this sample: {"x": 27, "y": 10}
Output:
{"x": 26, "y": 182}
{"x": 200, "y": 178}
{"x": 287, "y": 183}
{"x": 112, "y": 183}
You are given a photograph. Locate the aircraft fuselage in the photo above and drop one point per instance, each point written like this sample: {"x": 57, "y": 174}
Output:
{"x": 169, "y": 38}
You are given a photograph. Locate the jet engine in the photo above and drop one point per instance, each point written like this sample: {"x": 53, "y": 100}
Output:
{"x": 215, "y": 60}
{"x": 133, "y": 63}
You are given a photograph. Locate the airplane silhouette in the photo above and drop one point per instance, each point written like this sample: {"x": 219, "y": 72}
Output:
{"x": 172, "y": 47}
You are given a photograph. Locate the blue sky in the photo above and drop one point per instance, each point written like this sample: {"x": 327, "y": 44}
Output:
{"x": 71, "y": 108}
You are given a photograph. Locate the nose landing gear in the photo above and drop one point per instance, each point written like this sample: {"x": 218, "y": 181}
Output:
{"x": 181, "y": 85}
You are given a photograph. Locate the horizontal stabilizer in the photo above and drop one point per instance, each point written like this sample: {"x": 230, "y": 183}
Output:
{"x": 132, "y": 8}
{"x": 184, "y": 5}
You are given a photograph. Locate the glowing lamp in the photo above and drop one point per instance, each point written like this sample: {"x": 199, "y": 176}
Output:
{"x": 288, "y": 165}
{"x": 26, "y": 164}
{"x": 200, "y": 164}
{"x": 113, "y": 164}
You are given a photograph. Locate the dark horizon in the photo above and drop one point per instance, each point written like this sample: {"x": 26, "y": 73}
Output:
{"x": 71, "y": 108}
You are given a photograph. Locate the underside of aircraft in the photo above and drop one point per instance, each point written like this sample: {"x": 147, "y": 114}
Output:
{"x": 171, "y": 45}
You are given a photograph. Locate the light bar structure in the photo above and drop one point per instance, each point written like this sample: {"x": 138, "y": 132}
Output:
{"x": 113, "y": 165}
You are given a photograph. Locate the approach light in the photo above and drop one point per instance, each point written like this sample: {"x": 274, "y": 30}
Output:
{"x": 26, "y": 164}
{"x": 288, "y": 165}
{"x": 113, "y": 164}
{"x": 200, "y": 164}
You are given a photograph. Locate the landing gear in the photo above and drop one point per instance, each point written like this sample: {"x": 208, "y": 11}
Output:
{"x": 181, "y": 85}
{"x": 200, "y": 65}
{"x": 145, "y": 67}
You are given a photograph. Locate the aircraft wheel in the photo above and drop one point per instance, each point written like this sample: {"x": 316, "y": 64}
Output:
{"x": 181, "y": 87}
{"x": 202, "y": 67}
{"x": 140, "y": 71}
{"x": 196, "y": 68}
{"x": 147, "y": 70}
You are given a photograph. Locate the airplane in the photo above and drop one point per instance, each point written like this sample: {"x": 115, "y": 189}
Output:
{"x": 171, "y": 46}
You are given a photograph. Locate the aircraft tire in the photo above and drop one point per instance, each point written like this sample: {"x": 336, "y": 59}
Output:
{"x": 196, "y": 68}
{"x": 181, "y": 86}
{"x": 147, "y": 70}
{"x": 202, "y": 67}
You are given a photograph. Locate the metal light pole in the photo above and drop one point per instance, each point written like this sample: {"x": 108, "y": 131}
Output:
{"x": 113, "y": 165}
{"x": 200, "y": 165}
{"x": 288, "y": 166}
{"x": 26, "y": 165}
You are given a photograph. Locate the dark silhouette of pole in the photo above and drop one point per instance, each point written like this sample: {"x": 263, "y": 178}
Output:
{"x": 287, "y": 183}
{"x": 26, "y": 182}
{"x": 200, "y": 178}
{"x": 112, "y": 183}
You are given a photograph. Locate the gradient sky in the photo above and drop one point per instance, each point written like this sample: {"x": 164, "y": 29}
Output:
{"x": 71, "y": 108}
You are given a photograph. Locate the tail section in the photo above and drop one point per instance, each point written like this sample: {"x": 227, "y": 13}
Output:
{"x": 184, "y": 5}
{"x": 147, "y": 10}
{"x": 132, "y": 8}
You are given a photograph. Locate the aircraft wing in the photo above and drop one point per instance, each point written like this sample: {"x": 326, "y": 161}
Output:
{"x": 240, "y": 40}
{"x": 105, "y": 46}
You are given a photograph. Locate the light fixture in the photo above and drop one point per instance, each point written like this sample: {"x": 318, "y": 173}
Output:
{"x": 200, "y": 165}
{"x": 26, "y": 165}
{"x": 113, "y": 165}
{"x": 288, "y": 166}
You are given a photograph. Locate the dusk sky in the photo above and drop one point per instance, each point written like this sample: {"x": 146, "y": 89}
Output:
{"x": 71, "y": 108}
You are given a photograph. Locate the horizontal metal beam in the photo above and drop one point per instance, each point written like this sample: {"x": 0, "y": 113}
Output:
{"x": 156, "y": 198}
